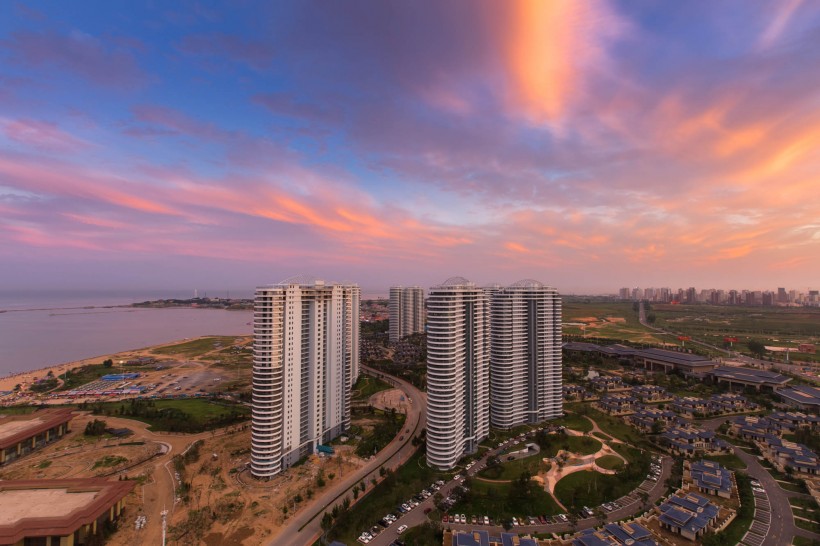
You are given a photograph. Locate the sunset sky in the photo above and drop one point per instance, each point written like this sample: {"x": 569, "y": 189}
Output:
{"x": 587, "y": 144}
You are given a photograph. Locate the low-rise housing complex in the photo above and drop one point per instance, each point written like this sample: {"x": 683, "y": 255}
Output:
{"x": 718, "y": 404}
{"x": 607, "y": 383}
{"x": 709, "y": 477}
{"x": 614, "y": 534}
{"x": 692, "y": 441}
{"x": 689, "y": 516}
{"x": 654, "y": 360}
{"x": 618, "y": 404}
{"x": 572, "y": 393}
{"x": 651, "y": 393}
{"x": 645, "y": 417}
{"x": 22, "y": 434}
{"x": 792, "y": 420}
{"x": 485, "y": 538}
{"x": 790, "y": 456}
{"x": 65, "y": 512}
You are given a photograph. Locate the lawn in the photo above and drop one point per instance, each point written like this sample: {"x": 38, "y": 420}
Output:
{"x": 17, "y": 410}
{"x": 588, "y": 488}
{"x": 581, "y": 445}
{"x": 511, "y": 470}
{"x": 613, "y": 320}
{"x": 367, "y": 386}
{"x": 502, "y": 501}
{"x": 191, "y": 415}
{"x": 197, "y": 347}
{"x": 575, "y": 422}
{"x": 381, "y": 432}
{"x": 802, "y": 541}
{"x": 610, "y": 462}
{"x": 401, "y": 485}
{"x": 613, "y": 426}
{"x": 84, "y": 374}
{"x": 732, "y": 462}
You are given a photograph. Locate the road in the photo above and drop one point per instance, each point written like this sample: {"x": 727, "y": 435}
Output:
{"x": 782, "y": 527}
{"x": 305, "y": 527}
{"x": 631, "y": 506}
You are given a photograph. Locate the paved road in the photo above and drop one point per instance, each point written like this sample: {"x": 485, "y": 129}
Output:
{"x": 305, "y": 527}
{"x": 631, "y": 505}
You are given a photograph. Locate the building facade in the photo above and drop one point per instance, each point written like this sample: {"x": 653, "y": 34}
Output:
{"x": 306, "y": 360}
{"x": 525, "y": 359}
{"x": 406, "y": 311}
{"x": 458, "y": 371}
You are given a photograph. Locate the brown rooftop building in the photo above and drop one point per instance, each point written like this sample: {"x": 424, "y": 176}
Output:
{"x": 58, "y": 512}
{"x": 22, "y": 434}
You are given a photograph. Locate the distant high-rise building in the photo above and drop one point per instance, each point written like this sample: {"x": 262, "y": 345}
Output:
{"x": 458, "y": 371}
{"x": 782, "y": 296}
{"x": 525, "y": 354}
{"x": 624, "y": 293}
{"x": 305, "y": 361}
{"x": 406, "y": 311}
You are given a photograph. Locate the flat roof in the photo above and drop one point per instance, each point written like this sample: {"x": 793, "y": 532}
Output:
{"x": 802, "y": 394}
{"x": 17, "y": 428}
{"x": 750, "y": 375}
{"x": 40, "y": 508}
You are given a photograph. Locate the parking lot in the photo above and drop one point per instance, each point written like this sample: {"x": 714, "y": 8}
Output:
{"x": 761, "y": 522}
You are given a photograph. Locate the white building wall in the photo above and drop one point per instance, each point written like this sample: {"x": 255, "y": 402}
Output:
{"x": 306, "y": 352}
{"x": 457, "y": 371}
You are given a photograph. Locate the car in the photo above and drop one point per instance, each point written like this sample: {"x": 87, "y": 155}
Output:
{"x": 457, "y": 477}
{"x": 563, "y": 517}
{"x": 462, "y": 518}
{"x": 473, "y": 520}
{"x": 486, "y": 520}
{"x": 451, "y": 519}
{"x": 755, "y": 483}
{"x": 515, "y": 521}
{"x": 401, "y": 529}
{"x": 758, "y": 490}
{"x": 542, "y": 520}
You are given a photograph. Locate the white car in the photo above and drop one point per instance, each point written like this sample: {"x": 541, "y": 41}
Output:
{"x": 515, "y": 521}
{"x": 401, "y": 529}
{"x": 462, "y": 518}
{"x": 457, "y": 477}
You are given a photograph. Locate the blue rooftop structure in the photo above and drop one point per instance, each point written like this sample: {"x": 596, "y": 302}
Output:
{"x": 688, "y": 516}
{"x": 709, "y": 477}
{"x": 471, "y": 538}
{"x": 614, "y": 534}
{"x": 804, "y": 397}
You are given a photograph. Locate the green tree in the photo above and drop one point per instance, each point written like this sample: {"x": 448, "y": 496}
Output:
{"x": 108, "y": 363}
{"x": 756, "y": 347}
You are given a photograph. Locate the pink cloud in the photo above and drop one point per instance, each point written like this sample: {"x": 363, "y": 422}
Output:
{"x": 78, "y": 53}
{"x": 40, "y": 134}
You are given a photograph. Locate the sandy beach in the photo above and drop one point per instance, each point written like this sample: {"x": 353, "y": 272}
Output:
{"x": 8, "y": 382}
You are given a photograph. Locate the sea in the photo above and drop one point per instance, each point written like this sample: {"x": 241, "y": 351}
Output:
{"x": 47, "y": 328}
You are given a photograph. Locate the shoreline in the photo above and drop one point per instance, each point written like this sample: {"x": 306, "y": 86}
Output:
{"x": 7, "y": 382}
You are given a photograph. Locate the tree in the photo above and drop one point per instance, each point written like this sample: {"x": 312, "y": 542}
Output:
{"x": 95, "y": 428}
{"x": 657, "y": 427}
{"x": 600, "y": 515}
{"x": 327, "y": 522}
{"x": 756, "y": 347}
{"x": 108, "y": 363}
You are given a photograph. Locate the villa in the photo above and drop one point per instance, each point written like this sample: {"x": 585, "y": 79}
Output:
{"x": 689, "y": 516}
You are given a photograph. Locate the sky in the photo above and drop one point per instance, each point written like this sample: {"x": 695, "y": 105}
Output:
{"x": 586, "y": 144}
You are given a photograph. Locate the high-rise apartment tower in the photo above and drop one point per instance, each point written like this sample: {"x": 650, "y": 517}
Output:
{"x": 458, "y": 371}
{"x": 525, "y": 354}
{"x": 406, "y": 311}
{"x": 305, "y": 361}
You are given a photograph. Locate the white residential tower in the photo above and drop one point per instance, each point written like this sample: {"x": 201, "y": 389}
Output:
{"x": 306, "y": 359}
{"x": 406, "y": 311}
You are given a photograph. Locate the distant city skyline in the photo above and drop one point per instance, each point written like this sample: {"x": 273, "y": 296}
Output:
{"x": 592, "y": 144}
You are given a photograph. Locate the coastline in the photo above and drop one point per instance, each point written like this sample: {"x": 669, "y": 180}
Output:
{"x": 7, "y": 382}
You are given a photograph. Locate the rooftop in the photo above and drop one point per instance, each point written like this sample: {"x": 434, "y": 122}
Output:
{"x": 41, "y": 508}
{"x": 802, "y": 394}
{"x": 749, "y": 375}
{"x": 16, "y": 428}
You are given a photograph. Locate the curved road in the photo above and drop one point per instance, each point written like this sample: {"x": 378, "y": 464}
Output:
{"x": 305, "y": 527}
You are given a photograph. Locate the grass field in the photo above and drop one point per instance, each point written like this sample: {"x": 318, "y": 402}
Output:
{"x": 778, "y": 326}
{"x": 165, "y": 415}
{"x": 612, "y": 320}
{"x": 367, "y": 386}
{"x": 589, "y": 488}
{"x": 197, "y": 347}
{"x": 610, "y": 462}
{"x": 84, "y": 374}
{"x": 581, "y": 445}
{"x": 511, "y": 470}
{"x": 732, "y": 461}
{"x": 613, "y": 426}
{"x": 502, "y": 501}
{"x": 17, "y": 410}
{"x": 575, "y": 422}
